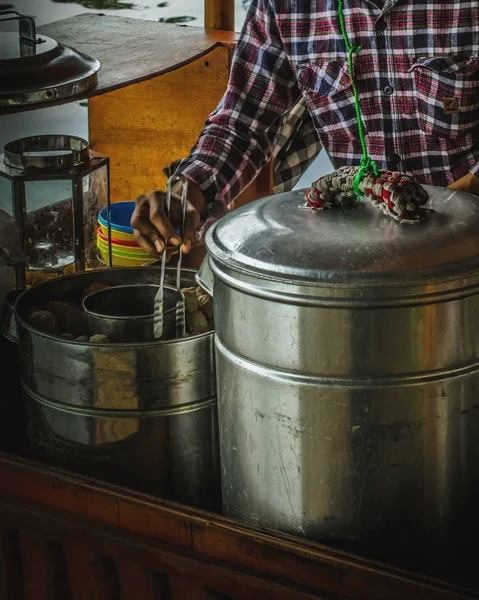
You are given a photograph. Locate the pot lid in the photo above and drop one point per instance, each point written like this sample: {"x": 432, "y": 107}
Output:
{"x": 37, "y": 69}
{"x": 278, "y": 238}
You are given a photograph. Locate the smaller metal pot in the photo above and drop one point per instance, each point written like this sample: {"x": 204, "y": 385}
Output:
{"x": 125, "y": 313}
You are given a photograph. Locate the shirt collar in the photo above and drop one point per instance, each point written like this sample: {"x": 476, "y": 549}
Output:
{"x": 387, "y": 6}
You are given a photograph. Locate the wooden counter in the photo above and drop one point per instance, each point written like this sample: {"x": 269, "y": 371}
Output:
{"x": 66, "y": 537}
{"x": 130, "y": 50}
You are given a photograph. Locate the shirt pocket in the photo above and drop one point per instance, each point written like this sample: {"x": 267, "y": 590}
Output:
{"x": 447, "y": 95}
{"x": 329, "y": 95}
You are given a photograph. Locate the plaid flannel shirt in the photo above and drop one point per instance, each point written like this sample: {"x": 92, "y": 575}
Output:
{"x": 417, "y": 75}
{"x": 295, "y": 148}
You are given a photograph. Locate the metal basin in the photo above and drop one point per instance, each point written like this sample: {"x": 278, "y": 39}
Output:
{"x": 142, "y": 415}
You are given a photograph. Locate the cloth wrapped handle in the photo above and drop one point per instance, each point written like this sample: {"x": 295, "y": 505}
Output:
{"x": 396, "y": 194}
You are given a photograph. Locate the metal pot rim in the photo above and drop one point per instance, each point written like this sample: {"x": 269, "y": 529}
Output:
{"x": 99, "y": 315}
{"x": 17, "y": 152}
{"x": 26, "y": 326}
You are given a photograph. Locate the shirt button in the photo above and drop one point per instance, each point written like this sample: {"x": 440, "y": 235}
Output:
{"x": 393, "y": 161}
{"x": 388, "y": 90}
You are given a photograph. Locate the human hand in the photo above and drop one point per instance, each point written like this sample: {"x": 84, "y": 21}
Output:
{"x": 154, "y": 231}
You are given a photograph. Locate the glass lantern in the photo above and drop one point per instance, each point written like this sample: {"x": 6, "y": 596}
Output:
{"x": 54, "y": 186}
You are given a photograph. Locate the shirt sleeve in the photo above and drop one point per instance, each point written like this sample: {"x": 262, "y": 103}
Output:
{"x": 236, "y": 141}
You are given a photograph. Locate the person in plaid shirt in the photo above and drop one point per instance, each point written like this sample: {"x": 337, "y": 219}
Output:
{"x": 289, "y": 94}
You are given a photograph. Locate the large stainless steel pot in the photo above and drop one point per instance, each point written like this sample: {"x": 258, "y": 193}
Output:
{"x": 141, "y": 415}
{"x": 348, "y": 371}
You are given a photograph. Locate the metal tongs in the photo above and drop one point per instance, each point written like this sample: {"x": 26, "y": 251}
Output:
{"x": 158, "y": 302}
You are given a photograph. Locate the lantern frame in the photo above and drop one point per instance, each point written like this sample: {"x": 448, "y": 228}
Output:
{"x": 53, "y": 158}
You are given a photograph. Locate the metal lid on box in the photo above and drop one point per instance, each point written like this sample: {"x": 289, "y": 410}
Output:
{"x": 277, "y": 239}
{"x": 37, "y": 69}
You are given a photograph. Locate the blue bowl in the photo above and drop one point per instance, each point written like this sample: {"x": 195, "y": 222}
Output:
{"x": 120, "y": 216}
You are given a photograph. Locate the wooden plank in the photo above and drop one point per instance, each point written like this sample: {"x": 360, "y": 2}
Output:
{"x": 58, "y": 491}
{"x": 146, "y": 126}
{"x": 11, "y": 580}
{"x": 220, "y": 577}
{"x": 5, "y": 563}
{"x": 83, "y": 496}
{"x": 136, "y": 582}
{"x": 215, "y": 538}
{"x": 106, "y": 575}
{"x": 220, "y": 14}
{"x": 150, "y": 522}
{"x": 130, "y": 50}
{"x": 182, "y": 589}
{"x": 37, "y": 570}
{"x": 273, "y": 562}
{"x": 111, "y": 547}
{"x": 337, "y": 574}
{"x": 83, "y": 581}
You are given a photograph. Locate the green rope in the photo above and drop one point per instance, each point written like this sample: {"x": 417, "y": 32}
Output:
{"x": 367, "y": 164}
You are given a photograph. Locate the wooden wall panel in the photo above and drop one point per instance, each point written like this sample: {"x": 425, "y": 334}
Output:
{"x": 220, "y": 14}
{"x": 148, "y": 125}
{"x": 145, "y": 126}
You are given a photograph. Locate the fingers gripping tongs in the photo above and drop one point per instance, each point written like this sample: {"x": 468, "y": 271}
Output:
{"x": 158, "y": 302}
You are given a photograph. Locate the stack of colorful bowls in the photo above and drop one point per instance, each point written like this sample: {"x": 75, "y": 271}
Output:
{"x": 125, "y": 252}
